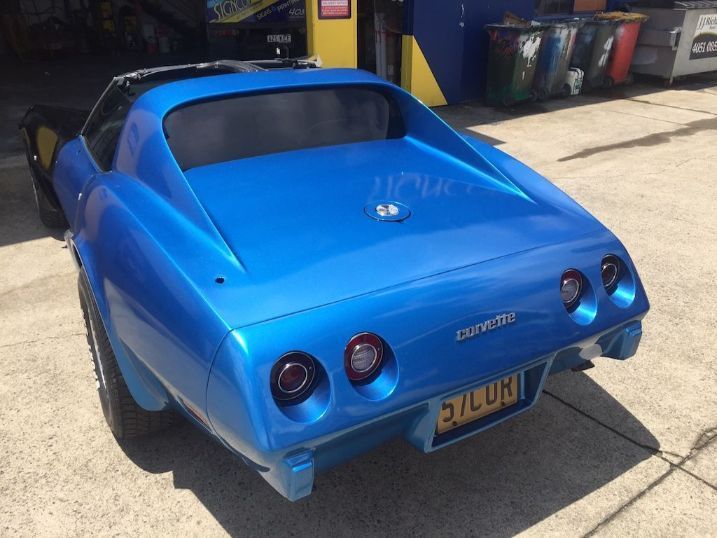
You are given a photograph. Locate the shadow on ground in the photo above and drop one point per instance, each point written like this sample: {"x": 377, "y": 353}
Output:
{"x": 653, "y": 139}
{"x": 18, "y": 217}
{"x": 467, "y": 116}
{"x": 499, "y": 483}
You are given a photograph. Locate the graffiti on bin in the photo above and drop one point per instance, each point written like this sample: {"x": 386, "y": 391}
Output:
{"x": 529, "y": 48}
{"x": 605, "y": 52}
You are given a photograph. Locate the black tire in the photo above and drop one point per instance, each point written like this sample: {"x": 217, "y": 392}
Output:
{"x": 124, "y": 416}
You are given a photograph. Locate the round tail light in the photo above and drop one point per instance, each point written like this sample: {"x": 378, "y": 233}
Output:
{"x": 610, "y": 271}
{"x": 363, "y": 356}
{"x": 571, "y": 286}
{"x": 292, "y": 376}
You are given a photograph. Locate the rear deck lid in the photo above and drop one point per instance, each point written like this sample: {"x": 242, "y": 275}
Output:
{"x": 307, "y": 225}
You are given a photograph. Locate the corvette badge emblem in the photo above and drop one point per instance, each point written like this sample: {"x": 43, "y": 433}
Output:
{"x": 501, "y": 320}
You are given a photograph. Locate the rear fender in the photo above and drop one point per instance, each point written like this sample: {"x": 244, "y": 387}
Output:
{"x": 153, "y": 275}
{"x": 145, "y": 388}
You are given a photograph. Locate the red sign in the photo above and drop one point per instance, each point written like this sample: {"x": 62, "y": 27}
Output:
{"x": 334, "y": 9}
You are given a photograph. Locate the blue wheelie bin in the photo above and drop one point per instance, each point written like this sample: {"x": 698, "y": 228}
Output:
{"x": 554, "y": 60}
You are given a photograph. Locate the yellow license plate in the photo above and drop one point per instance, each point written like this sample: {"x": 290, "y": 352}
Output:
{"x": 477, "y": 403}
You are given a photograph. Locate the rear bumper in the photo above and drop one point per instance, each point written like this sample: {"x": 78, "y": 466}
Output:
{"x": 291, "y": 472}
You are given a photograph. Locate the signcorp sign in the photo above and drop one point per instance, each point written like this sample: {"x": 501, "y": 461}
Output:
{"x": 248, "y": 11}
{"x": 334, "y": 9}
{"x": 704, "y": 43}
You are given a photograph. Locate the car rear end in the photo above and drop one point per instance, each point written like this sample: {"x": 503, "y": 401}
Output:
{"x": 388, "y": 277}
{"x": 459, "y": 352}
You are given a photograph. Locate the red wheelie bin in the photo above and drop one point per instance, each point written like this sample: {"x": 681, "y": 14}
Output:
{"x": 623, "y": 47}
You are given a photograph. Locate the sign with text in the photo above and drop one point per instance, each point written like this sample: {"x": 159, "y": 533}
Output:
{"x": 255, "y": 11}
{"x": 704, "y": 43}
{"x": 334, "y": 9}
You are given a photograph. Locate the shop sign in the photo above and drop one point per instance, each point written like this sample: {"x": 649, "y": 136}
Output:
{"x": 254, "y": 11}
{"x": 704, "y": 43}
{"x": 334, "y": 9}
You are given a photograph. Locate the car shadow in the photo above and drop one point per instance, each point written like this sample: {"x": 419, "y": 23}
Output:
{"x": 19, "y": 221}
{"x": 498, "y": 483}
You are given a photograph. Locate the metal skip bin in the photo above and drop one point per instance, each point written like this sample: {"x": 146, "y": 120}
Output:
{"x": 677, "y": 41}
{"x": 623, "y": 46}
{"x": 554, "y": 59}
{"x": 592, "y": 51}
{"x": 511, "y": 63}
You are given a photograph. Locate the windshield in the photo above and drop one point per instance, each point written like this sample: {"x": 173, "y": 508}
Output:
{"x": 250, "y": 125}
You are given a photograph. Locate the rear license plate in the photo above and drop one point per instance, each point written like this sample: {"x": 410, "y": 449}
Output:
{"x": 477, "y": 403}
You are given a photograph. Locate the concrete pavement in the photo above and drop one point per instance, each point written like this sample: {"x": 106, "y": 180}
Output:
{"x": 627, "y": 448}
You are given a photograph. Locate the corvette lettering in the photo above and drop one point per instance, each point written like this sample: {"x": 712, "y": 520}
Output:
{"x": 501, "y": 320}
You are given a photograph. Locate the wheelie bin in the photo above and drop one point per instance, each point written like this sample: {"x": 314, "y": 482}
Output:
{"x": 592, "y": 51}
{"x": 512, "y": 59}
{"x": 623, "y": 47}
{"x": 554, "y": 59}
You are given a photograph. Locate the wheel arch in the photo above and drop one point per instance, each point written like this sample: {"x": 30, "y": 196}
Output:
{"x": 144, "y": 387}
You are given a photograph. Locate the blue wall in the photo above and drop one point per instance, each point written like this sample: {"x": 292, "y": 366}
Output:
{"x": 453, "y": 39}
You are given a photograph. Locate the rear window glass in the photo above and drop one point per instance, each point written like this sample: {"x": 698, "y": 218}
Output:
{"x": 251, "y": 125}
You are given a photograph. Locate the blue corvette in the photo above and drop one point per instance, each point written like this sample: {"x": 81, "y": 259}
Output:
{"x": 305, "y": 263}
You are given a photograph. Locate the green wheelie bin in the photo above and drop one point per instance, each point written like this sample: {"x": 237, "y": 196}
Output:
{"x": 512, "y": 59}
